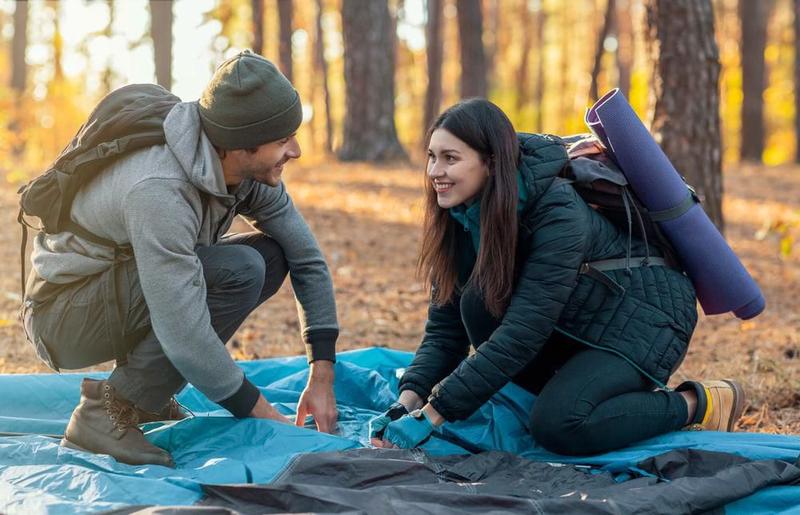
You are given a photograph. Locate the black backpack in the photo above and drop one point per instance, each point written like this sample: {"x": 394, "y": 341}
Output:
{"x": 125, "y": 120}
{"x": 600, "y": 182}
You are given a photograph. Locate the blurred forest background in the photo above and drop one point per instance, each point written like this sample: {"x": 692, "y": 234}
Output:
{"x": 717, "y": 82}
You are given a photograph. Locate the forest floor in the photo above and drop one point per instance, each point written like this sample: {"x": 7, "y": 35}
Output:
{"x": 367, "y": 222}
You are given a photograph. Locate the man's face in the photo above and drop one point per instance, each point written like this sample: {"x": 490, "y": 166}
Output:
{"x": 265, "y": 164}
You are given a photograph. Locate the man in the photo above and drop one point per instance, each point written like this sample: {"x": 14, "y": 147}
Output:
{"x": 183, "y": 288}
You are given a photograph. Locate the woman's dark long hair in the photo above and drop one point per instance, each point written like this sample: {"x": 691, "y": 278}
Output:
{"x": 486, "y": 129}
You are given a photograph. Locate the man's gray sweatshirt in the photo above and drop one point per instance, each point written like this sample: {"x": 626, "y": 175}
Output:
{"x": 165, "y": 201}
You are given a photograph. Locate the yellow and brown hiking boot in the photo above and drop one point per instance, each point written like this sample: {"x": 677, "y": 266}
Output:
{"x": 172, "y": 411}
{"x": 719, "y": 404}
{"x": 105, "y": 423}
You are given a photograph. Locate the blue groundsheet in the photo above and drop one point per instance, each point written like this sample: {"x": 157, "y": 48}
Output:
{"x": 212, "y": 448}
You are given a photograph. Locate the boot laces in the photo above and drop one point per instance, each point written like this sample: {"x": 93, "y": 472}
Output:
{"x": 121, "y": 412}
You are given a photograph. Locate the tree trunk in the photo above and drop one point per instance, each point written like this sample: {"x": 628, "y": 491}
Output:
{"x": 369, "y": 128}
{"x": 285, "y": 11}
{"x": 493, "y": 45}
{"x": 435, "y": 54}
{"x": 626, "y": 42}
{"x": 19, "y": 75}
{"x": 566, "y": 79}
{"x": 473, "y": 55}
{"x": 58, "y": 44}
{"x": 161, "y": 32}
{"x": 522, "y": 70}
{"x": 686, "y": 94}
{"x": 19, "y": 70}
{"x": 108, "y": 71}
{"x": 538, "y": 90}
{"x": 322, "y": 74}
{"x": 797, "y": 80}
{"x": 605, "y": 30}
{"x": 753, "y": 17}
{"x": 257, "y": 7}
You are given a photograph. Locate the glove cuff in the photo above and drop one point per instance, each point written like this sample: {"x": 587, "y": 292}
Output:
{"x": 420, "y": 415}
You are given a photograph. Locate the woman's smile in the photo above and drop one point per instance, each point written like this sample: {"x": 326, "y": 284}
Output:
{"x": 442, "y": 186}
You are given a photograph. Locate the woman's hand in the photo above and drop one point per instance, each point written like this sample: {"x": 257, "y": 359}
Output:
{"x": 412, "y": 430}
{"x": 410, "y": 399}
{"x": 407, "y": 402}
{"x": 378, "y": 424}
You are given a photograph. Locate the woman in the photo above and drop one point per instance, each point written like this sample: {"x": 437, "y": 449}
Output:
{"x": 505, "y": 246}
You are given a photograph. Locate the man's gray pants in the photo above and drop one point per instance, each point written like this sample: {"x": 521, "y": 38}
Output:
{"x": 70, "y": 331}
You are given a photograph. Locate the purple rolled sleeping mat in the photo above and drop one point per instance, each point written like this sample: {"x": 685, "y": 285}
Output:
{"x": 721, "y": 281}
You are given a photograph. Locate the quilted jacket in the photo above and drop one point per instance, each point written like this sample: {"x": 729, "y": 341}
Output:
{"x": 648, "y": 319}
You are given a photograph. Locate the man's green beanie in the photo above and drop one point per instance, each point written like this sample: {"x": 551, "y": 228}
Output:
{"x": 248, "y": 103}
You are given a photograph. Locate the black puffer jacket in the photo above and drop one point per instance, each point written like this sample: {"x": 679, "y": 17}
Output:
{"x": 650, "y": 324}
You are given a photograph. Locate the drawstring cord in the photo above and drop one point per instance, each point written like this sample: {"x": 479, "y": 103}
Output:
{"x": 626, "y": 203}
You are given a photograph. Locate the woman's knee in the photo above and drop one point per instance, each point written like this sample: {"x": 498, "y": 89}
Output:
{"x": 549, "y": 431}
{"x": 563, "y": 431}
{"x": 573, "y": 436}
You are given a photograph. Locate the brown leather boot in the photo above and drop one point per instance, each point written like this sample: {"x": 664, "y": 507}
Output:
{"x": 719, "y": 404}
{"x": 172, "y": 411}
{"x": 105, "y": 423}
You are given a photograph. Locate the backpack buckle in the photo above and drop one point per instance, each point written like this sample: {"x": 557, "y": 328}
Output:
{"x": 108, "y": 148}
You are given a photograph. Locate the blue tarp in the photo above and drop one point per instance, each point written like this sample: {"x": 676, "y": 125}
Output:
{"x": 38, "y": 476}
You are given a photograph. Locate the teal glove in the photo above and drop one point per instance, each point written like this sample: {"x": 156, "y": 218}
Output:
{"x": 378, "y": 424}
{"x": 410, "y": 430}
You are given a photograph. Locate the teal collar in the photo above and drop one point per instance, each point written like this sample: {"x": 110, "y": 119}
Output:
{"x": 469, "y": 217}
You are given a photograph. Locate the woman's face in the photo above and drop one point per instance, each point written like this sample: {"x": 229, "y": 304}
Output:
{"x": 456, "y": 170}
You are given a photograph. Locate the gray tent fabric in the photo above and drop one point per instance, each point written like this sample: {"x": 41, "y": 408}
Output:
{"x": 402, "y": 482}
{"x": 384, "y": 481}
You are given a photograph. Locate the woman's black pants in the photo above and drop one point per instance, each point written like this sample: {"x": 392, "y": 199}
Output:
{"x": 588, "y": 400}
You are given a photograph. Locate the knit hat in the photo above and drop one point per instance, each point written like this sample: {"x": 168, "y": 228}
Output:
{"x": 248, "y": 103}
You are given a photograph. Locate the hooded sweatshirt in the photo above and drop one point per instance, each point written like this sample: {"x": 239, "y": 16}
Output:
{"x": 165, "y": 201}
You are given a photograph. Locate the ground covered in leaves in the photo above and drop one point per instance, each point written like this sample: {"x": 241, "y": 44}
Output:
{"x": 367, "y": 222}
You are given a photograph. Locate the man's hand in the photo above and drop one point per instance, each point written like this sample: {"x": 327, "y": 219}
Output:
{"x": 264, "y": 409}
{"x": 318, "y": 399}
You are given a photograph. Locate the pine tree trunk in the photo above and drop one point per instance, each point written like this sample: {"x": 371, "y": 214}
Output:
{"x": 686, "y": 94}
{"x": 161, "y": 33}
{"x": 19, "y": 70}
{"x": 605, "y": 30}
{"x": 566, "y": 78}
{"x": 108, "y": 72}
{"x": 492, "y": 46}
{"x": 257, "y": 7}
{"x": 435, "y": 52}
{"x": 369, "y": 128}
{"x": 473, "y": 55}
{"x": 285, "y": 12}
{"x": 322, "y": 74}
{"x": 522, "y": 71}
{"x": 58, "y": 44}
{"x": 625, "y": 50}
{"x": 538, "y": 90}
{"x": 19, "y": 74}
{"x": 753, "y": 16}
